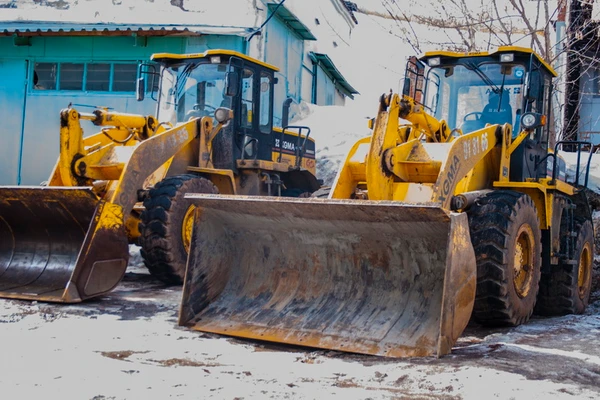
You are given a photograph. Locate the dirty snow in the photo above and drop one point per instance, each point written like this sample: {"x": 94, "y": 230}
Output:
{"x": 335, "y": 130}
{"x": 127, "y": 346}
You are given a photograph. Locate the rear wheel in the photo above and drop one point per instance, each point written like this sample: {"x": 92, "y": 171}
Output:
{"x": 566, "y": 288}
{"x": 506, "y": 236}
{"x": 294, "y": 192}
{"x": 166, "y": 225}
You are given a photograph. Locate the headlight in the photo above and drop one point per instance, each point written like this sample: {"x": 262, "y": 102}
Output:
{"x": 223, "y": 114}
{"x": 433, "y": 62}
{"x": 530, "y": 121}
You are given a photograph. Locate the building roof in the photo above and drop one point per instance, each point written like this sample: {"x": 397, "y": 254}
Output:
{"x": 35, "y": 28}
{"x": 336, "y": 76}
{"x": 29, "y": 17}
{"x": 291, "y": 20}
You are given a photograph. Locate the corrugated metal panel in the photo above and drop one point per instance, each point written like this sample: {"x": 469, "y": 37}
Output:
{"x": 46, "y": 28}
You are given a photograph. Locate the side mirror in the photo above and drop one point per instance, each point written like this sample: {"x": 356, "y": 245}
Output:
{"x": 140, "y": 89}
{"x": 232, "y": 83}
{"x": 535, "y": 86}
{"x": 285, "y": 112}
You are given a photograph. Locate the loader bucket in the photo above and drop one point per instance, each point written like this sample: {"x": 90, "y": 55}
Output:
{"x": 59, "y": 244}
{"x": 372, "y": 277}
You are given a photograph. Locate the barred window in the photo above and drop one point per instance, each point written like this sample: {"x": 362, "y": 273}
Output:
{"x": 89, "y": 77}
{"x": 98, "y": 77}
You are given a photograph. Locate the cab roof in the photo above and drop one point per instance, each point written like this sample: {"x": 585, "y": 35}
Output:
{"x": 170, "y": 57}
{"x": 500, "y": 50}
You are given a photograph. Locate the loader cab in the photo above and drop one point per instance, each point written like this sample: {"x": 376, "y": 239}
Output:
{"x": 195, "y": 85}
{"x": 509, "y": 86}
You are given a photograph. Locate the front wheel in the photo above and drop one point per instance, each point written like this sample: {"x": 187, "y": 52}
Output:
{"x": 322, "y": 193}
{"x": 166, "y": 225}
{"x": 506, "y": 236}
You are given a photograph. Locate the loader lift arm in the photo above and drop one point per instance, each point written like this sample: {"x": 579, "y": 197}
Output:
{"x": 84, "y": 226}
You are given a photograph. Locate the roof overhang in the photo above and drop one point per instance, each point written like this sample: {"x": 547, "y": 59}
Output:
{"x": 336, "y": 76}
{"x": 291, "y": 20}
{"x": 42, "y": 28}
{"x": 209, "y": 53}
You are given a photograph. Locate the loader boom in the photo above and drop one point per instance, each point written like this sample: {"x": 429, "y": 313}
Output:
{"x": 415, "y": 170}
{"x": 89, "y": 256}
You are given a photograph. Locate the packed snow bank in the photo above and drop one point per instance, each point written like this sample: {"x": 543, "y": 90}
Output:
{"x": 571, "y": 162}
{"x": 335, "y": 130}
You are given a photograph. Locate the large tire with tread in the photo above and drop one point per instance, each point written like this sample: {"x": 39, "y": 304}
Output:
{"x": 506, "y": 236}
{"x": 165, "y": 225}
{"x": 322, "y": 193}
{"x": 295, "y": 192}
{"x": 565, "y": 289}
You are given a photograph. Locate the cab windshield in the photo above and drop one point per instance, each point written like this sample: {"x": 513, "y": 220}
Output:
{"x": 192, "y": 90}
{"x": 468, "y": 96}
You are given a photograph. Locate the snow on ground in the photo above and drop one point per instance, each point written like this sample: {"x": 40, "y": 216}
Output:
{"x": 127, "y": 346}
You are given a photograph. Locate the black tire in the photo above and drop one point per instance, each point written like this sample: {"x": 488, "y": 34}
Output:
{"x": 506, "y": 236}
{"x": 566, "y": 288}
{"x": 294, "y": 192}
{"x": 162, "y": 225}
{"x": 321, "y": 193}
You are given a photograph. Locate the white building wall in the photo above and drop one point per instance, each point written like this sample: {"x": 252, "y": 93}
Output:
{"x": 330, "y": 23}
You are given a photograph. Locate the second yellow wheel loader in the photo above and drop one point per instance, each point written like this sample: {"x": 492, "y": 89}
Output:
{"x": 213, "y": 133}
{"x": 462, "y": 213}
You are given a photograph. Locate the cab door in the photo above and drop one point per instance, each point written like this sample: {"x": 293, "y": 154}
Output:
{"x": 256, "y": 113}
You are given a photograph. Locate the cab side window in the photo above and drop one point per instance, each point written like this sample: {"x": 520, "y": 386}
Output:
{"x": 247, "y": 98}
{"x": 266, "y": 107}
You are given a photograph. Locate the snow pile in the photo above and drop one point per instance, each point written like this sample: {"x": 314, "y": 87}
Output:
{"x": 157, "y": 12}
{"x": 335, "y": 130}
{"x": 594, "y": 162}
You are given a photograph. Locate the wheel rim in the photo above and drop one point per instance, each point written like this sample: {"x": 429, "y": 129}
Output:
{"x": 585, "y": 270}
{"x": 523, "y": 262}
{"x": 186, "y": 228}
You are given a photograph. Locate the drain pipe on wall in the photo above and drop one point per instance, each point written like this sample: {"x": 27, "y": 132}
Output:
{"x": 22, "y": 140}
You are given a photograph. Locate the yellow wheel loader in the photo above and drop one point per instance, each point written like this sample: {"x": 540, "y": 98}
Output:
{"x": 444, "y": 213}
{"x": 213, "y": 133}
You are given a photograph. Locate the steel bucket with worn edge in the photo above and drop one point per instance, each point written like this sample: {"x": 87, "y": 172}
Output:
{"x": 373, "y": 277}
{"x": 59, "y": 244}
